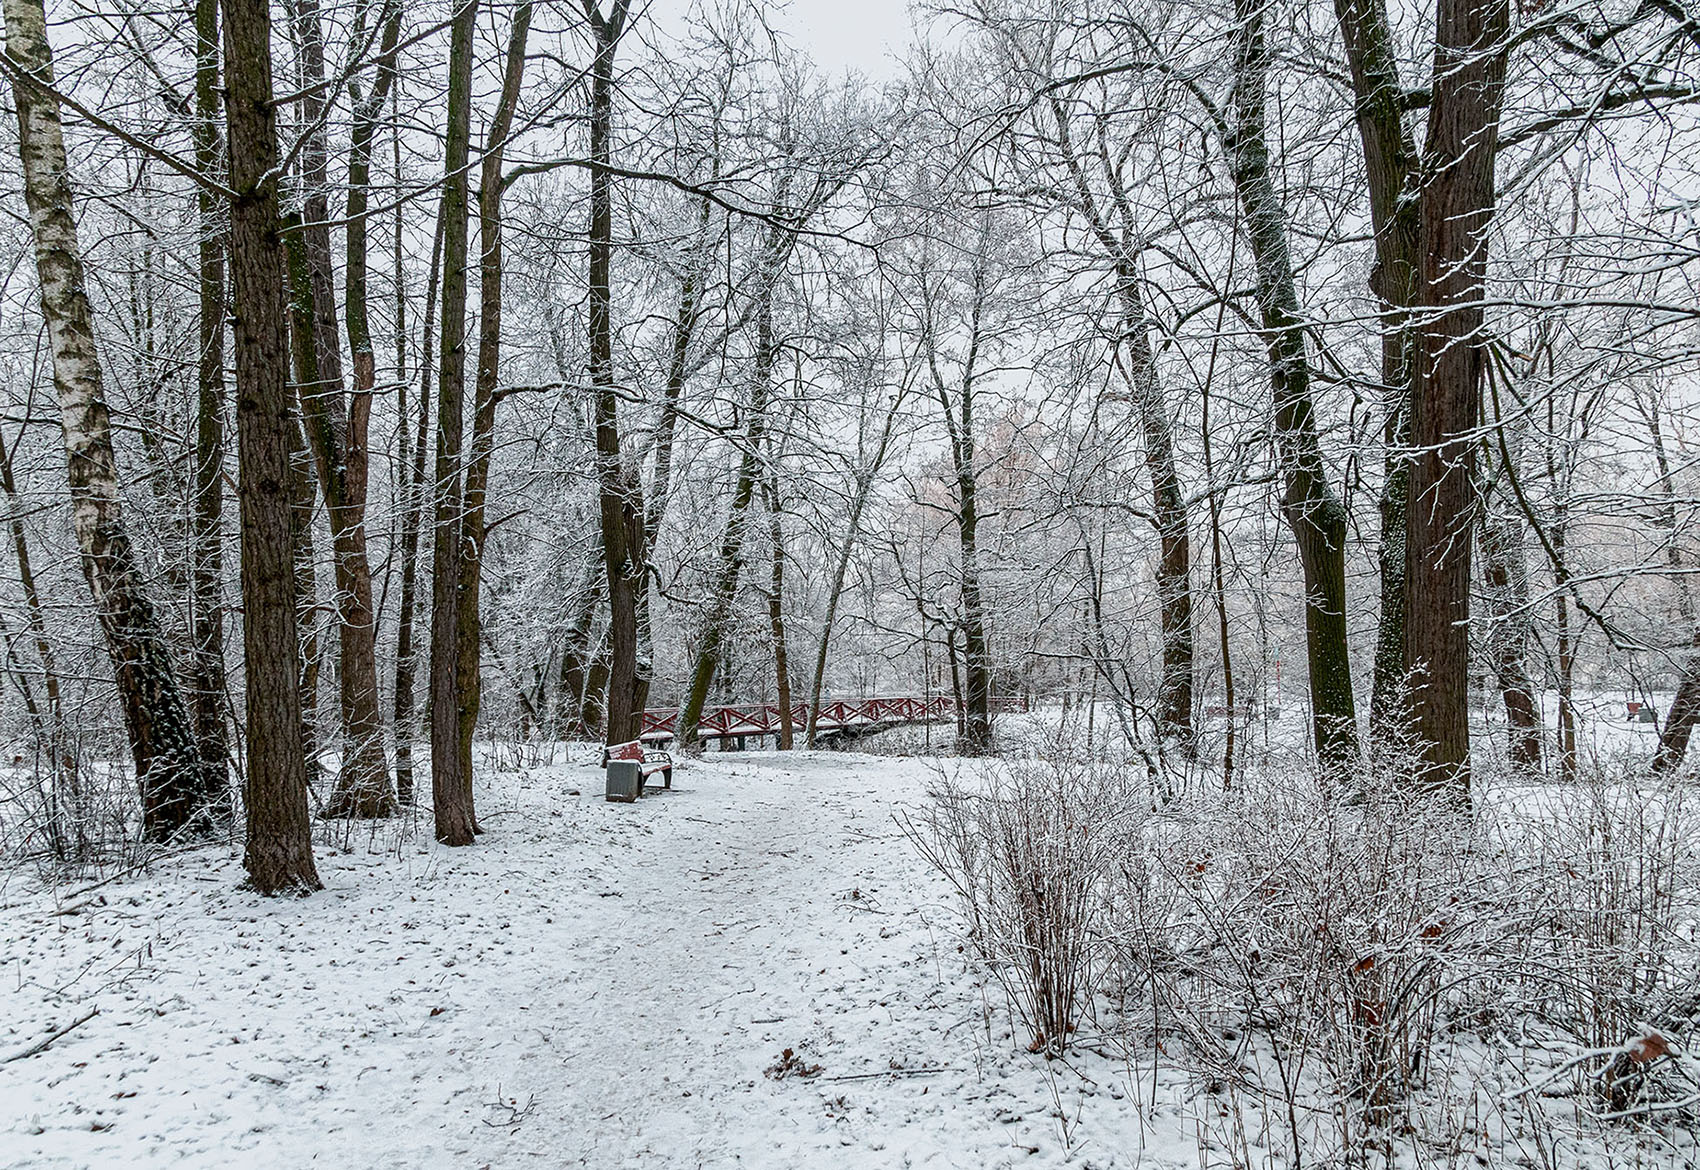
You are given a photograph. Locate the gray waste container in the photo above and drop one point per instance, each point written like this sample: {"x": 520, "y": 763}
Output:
{"x": 625, "y": 780}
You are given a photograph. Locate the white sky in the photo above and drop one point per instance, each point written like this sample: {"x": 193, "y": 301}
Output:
{"x": 860, "y": 35}
{"x": 864, "y": 36}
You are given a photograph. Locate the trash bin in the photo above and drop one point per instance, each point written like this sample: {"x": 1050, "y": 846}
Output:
{"x": 625, "y": 780}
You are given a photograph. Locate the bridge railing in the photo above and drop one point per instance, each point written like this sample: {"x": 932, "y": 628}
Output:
{"x": 738, "y": 719}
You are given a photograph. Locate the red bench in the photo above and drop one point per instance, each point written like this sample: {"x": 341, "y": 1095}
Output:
{"x": 648, "y": 759}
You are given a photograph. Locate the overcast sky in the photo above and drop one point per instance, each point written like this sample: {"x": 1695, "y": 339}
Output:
{"x": 861, "y": 35}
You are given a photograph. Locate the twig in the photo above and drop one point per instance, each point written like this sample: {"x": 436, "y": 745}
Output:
{"x": 41, "y": 1045}
{"x": 893, "y": 1072}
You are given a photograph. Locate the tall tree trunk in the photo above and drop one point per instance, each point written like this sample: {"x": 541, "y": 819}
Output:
{"x": 976, "y": 668}
{"x": 413, "y": 508}
{"x": 685, "y": 320}
{"x": 620, "y": 495}
{"x": 451, "y": 784}
{"x": 1313, "y": 511}
{"x": 161, "y": 735}
{"x": 975, "y": 685}
{"x": 337, "y": 430}
{"x": 207, "y": 564}
{"x": 1134, "y": 355}
{"x": 1390, "y": 167}
{"x": 366, "y": 792}
{"x": 723, "y": 589}
{"x": 1471, "y": 42}
{"x": 776, "y": 604}
{"x": 1169, "y": 511}
{"x": 279, "y": 853}
{"x": 469, "y": 618}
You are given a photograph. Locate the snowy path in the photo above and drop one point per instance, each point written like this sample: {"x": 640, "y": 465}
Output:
{"x": 593, "y": 984}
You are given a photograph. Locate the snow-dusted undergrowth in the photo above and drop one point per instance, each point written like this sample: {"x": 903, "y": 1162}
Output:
{"x": 1350, "y": 974}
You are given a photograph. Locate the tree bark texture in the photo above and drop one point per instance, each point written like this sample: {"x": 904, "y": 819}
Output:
{"x": 776, "y": 603}
{"x": 976, "y": 675}
{"x": 451, "y": 784}
{"x": 469, "y": 618}
{"x": 1457, "y": 207}
{"x": 1390, "y": 167}
{"x": 413, "y": 507}
{"x": 620, "y": 495}
{"x": 1169, "y": 511}
{"x": 279, "y": 851}
{"x": 207, "y": 565}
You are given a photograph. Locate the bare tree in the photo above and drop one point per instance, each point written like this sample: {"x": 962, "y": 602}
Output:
{"x": 1471, "y": 43}
{"x": 1094, "y": 186}
{"x": 1390, "y": 169}
{"x": 1312, "y": 509}
{"x": 412, "y": 512}
{"x": 451, "y": 782}
{"x": 956, "y": 395}
{"x": 486, "y": 391}
{"x": 162, "y": 740}
{"x": 207, "y": 554}
{"x": 279, "y": 851}
{"x": 625, "y": 555}
{"x": 336, "y": 425}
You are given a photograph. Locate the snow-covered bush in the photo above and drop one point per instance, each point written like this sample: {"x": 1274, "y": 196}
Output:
{"x": 1352, "y": 962}
{"x": 1029, "y": 852}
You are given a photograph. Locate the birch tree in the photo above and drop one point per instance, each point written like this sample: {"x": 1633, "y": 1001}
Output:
{"x": 162, "y": 741}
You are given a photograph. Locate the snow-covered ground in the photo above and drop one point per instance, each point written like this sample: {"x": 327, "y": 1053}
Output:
{"x": 592, "y": 984}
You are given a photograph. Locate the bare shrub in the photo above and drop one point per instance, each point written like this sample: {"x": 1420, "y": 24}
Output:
{"x": 1607, "y": 876}
{"x": 1028, "y": 853}
{"x": 1310, "y": 937}
{"x": 1352, "y": 969}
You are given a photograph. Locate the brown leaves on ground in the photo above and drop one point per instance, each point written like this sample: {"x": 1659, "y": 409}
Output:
{"x": 790, "y": 1064}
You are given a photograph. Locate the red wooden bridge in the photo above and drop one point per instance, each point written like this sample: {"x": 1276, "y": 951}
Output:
{"x": 660, "y": 724}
